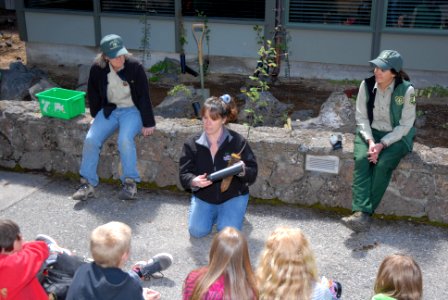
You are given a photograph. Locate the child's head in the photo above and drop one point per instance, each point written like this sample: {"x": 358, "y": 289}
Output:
{"x": 400, "y": 277}
{"x": 229, "y": 251}
{"x": 110, "y": 244}
{"x": 229, "y": 256}
{"x": 10, "y": 236}
{"x": 287, "y": 266}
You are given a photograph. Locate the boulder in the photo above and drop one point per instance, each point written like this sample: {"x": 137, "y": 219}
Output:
{"x": 267, "y": 111}
{"x": 17, "y": 80}
{"x": 338, "y": 112}
{"x": 178, "y": 105}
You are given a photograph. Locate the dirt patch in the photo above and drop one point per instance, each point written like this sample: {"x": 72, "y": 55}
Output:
{"x": 11, "y": 47}
{"x": 304, "y": 94}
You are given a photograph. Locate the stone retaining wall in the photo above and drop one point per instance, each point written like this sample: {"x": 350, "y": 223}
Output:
{"x": 419, "y": 186}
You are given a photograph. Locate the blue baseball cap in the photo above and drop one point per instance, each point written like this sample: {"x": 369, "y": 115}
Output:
{"x": 112, "y": 46}
{"x": 388, "y": 59}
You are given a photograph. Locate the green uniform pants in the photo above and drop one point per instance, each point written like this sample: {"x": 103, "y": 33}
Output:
{"x": 370, "y": 180}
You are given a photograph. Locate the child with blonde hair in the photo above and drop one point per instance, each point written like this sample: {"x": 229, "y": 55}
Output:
{"x": 288, "y": 270}
{"x": 229, "y": 272}
{"x": 104, "y": 278}
{"x": 399, "y": 278}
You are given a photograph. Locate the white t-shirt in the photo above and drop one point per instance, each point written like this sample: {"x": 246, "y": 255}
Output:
{"x": 118, "y": 91}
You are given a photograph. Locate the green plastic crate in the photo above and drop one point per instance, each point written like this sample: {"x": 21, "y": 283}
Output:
{"x": 62, "y": 103}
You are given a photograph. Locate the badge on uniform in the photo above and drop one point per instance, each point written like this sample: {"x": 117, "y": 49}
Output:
{"x": 399, "y": 100}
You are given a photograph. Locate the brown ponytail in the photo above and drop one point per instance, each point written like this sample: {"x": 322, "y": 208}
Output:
{"x": 224, "y": 107}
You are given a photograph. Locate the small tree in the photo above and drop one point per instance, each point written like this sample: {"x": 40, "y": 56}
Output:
{"x": 259, "y": 79}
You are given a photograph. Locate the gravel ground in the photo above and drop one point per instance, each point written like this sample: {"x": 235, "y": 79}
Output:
{"x": 158, "y": 219}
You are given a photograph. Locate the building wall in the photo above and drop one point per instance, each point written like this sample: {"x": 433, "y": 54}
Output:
{"x": 335, "y": 53}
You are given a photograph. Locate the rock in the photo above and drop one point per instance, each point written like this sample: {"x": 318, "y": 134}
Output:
{"x": 271, "y": 111}
{"x": 419, "y": 187}
{"x": 43, "y": 85}
{"x": 17, "y": 80}
{"x": 178, "y": 105}
{"x": 337, "y": 112}
{"x": 302, "y": 115}
{"x": 83, "y": 77}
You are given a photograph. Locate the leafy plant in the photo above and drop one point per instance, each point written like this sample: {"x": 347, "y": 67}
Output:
{"x": 158, "y": 69}
{"x": 344, "y": 82}
{"x": 419, "y": 113}
{"x": 436, "y": 90}
{"x": 260, "y": 37}
{"x": 260, "y": 83}
{"x": 180, "y": 88}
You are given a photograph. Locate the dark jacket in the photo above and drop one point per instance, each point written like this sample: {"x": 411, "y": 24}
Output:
{"x": 196, "y": 159}
{"x": 92, "y": 282}
{"x": 134, "y": 74}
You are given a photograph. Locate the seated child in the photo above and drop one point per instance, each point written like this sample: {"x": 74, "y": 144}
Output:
{"x": 104, "y": 278}
{"x": 399, "y": 278}
{"x": 287, "y": 269}
{"x": 229, "y": 273}
{"x": 20, "y": 262}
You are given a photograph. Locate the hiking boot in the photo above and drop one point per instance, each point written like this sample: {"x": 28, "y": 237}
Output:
{"x": 85, "y": 190}
{"x": 358, "y": 222}
{"x": 129, "y": 191}
{"x": 150, "y": 268}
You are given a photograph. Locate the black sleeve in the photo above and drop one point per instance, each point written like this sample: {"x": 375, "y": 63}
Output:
{"x": 187, "y": 166}
{"x": 143, "y": 99}
{"x": 93, "y": 91}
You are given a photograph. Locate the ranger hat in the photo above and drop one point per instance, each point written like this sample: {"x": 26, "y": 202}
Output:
{"x": 112, "y": 46}
{"x": 388, "y": 59}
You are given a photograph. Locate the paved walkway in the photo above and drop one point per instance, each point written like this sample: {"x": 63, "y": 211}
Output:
{"x": 42, "y": 204}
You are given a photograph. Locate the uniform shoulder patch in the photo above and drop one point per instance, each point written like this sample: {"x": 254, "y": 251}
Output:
{"x": 412, "y": 99}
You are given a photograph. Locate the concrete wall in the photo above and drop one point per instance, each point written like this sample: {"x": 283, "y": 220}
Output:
{"x": 419, "y": 186}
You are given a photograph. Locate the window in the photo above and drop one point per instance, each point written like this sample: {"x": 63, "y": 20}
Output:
{"x": 343, "y": 12}
{"x": 153, "y": 7}
{"x": 84, "y": 5}
{"x": 417, "y": 14}
{"x": 234, "y": 9}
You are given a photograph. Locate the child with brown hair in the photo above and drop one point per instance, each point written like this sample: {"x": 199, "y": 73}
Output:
{"x": 229, "y": 272}
{"x": 216, "y": 201}
{"x": 20, "y": 262}
{"x": 399, "y": 278}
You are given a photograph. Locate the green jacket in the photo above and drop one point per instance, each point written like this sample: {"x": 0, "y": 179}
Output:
{"x": 382, "y": 297}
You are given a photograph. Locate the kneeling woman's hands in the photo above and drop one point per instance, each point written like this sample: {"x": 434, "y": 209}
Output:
{"x": 201, "y": 181}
